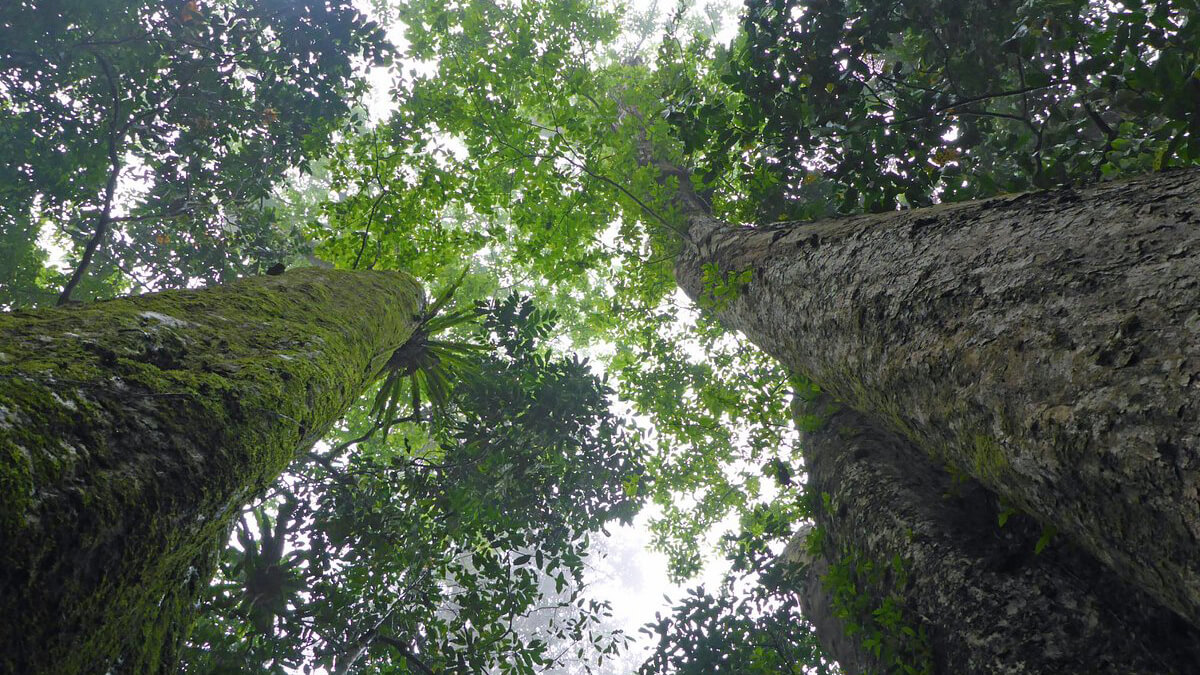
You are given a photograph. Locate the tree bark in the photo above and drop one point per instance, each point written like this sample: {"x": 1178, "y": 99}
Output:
{"x": 913, "y": 562}
{"x": 132, "y": 430}
{"x": 1046, "y": 344}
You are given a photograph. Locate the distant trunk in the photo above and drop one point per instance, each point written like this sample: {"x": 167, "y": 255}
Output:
{"x": 1045, "y": 344}
{"x": 914, "y": 563}
{"x": 132, "y": 430}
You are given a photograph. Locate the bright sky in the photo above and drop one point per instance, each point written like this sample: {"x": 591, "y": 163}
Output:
{"x": 634, "y": 579}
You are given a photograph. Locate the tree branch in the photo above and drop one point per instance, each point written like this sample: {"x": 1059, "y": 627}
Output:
{"x": 406, "y": 653}
{"x": 973, "y": 99}
{"x": 110, "y": 188}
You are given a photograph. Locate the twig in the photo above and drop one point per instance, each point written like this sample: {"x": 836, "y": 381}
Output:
{"x": 337, "y": 450}
{"x": 375, "y": 204}
{"x": 367, "y": 230}
{"x": 132, "y": 277}
{"x": 973, "y": 99}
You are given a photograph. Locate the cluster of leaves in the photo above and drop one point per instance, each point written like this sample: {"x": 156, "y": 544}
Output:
{"x": 721, "y": 288}
{"x": 883, "y": 627}
{"x": 423, "y": 556}
{"x": 147, "y": 135}
{"x": 425, "y": 364}
{"x": 868, "y": 105}
{"x": 752, "y": 624}
{"x": 720, "y": 411}
{"x": 495, "y": 88}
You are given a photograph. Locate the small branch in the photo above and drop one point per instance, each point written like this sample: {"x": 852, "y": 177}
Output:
{"x": 406, "y": 653}
{"x": 375, "y": 204}
{"x": 988, "y": 113}
{"x": 367, "y": 229}
{"x": 874, "y": 93}
{"x": 1096, "y": 119}
{"x": 110, "y": 188}
{"x": 1040, "y": 170}
{"x": 132, "y": 277}
{"x": 572, "y": 159}
{"x": 337, "y": 450}
{"x": 645, "y": 207}
{"x": 165, "y": 215}
{"x": 1169, "y": 152}
{"x": 973, "y": 99}
{"x": 1025, "y": 95}
{"x": 332, "y": 470}
{"x": 782, "y": 651}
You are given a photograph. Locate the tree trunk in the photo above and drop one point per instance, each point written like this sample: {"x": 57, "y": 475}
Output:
{"x": 133, "y": 430}
{"x": 914, "y": 564}
{"x": 1045, "y": 344}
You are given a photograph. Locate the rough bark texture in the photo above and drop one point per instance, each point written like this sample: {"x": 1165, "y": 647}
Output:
{"x": 132, "y": 430}
{"x": 914, "y": 560}
{"x": 1046, "y": 344}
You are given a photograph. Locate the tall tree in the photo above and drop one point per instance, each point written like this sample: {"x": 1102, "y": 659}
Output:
{"x": 868, "y": 106}
{"x": 135, "y": 429}
{"x": 1054, "y": 368}
{"x": 455, "y": 544}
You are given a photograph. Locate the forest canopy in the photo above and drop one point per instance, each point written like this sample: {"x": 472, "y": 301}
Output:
{"x": 523, "y": 160}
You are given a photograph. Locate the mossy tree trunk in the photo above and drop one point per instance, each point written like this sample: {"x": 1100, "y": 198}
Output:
{"x": 133, "y": 430}
{"x": 1046, "y": 345}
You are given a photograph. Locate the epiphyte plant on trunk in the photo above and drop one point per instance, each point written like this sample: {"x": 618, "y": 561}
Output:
{"x": 427, "y": 365}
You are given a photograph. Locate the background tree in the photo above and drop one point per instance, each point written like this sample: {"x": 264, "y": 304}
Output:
{"x": 426, "y": 549}
{"x": 146, "y": 137}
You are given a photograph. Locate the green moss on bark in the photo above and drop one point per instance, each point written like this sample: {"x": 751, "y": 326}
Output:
{"x": 989, "y": 459}
{"x": 132, "y": 430}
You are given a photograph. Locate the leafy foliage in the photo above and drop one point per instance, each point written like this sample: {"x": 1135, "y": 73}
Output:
{"x": 427, "y": 364}
{"x": 885, "y": 630}
{"x": 418, "y": 556}
{"x": 722, "y": 287}
{"x": 752, "y": 624}
{"x": 151, "y": 133}
{"x": 517, "y": 143}
{"x": 874, "y": 105}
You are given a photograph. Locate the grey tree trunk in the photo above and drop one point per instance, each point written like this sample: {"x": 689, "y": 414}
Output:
{"x": 132, "y": 430}
{"x": 913, "y": 563}
{"x": 1044, "y": 344}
